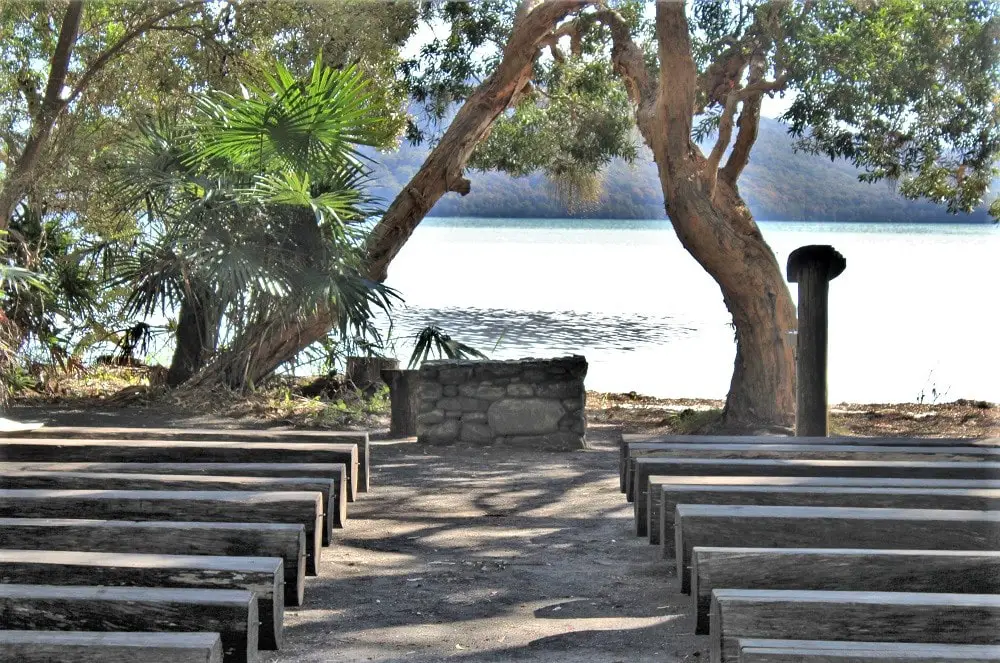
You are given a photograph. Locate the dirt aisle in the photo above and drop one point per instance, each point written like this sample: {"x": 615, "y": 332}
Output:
{"x": 488, "y": 555}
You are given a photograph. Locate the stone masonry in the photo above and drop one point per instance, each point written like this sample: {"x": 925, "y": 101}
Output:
{"x": 529, "y": 403}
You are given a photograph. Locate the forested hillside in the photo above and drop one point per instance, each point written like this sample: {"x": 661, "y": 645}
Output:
{"x": 779, "y": 185}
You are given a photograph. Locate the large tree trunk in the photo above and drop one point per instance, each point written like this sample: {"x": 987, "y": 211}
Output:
{"x": 264, "y": 349}
{"x": 197, "y": 335}
{"x": 721, "y": 235}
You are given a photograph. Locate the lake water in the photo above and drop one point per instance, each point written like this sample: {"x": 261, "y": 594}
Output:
{"x": 915, "y": 313}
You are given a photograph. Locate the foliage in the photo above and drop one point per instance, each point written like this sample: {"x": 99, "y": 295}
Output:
{"x": 432, "y": 340}
{"x": 255, "y": 204}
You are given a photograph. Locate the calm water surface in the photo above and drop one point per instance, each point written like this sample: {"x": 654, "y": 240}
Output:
{"x": 915, "y": 312}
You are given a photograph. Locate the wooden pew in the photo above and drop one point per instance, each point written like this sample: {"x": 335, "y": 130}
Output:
{"x": 335, "y": 472}
{"x": 264, "y": 576}
{"x": 829, "y": 527}
{"x": 663, "y": 521}
{"x": 859, "y": 616}
{"x": 32, "y": 479}
{"x": 232, "y": 613}
{"x": 185, "y": 505}
{"x": 641, "y": 443}
{"x": 842, "y": 569}
{"x": 866, "y": 497}
{"x": 806, "y": 452}
{"x": 287, "y": 542}
{"x": 835, "y": 651}
{"x": 359, "y": 438}
{"x": 159, "y": 451}
{"x": 114, "y": 647}
{"x": 904, "y": 469}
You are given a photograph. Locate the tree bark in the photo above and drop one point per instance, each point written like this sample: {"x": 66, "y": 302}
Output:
{"x": 197, "y": 335}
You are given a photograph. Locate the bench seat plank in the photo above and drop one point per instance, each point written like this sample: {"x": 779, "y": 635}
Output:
{"x": 834, "y": 651}
{"x": 49, "y": 480}
{"x": 264, "y": 576}
{"x": 113, "y": 647}
{"x": 868, "y": 497}
{"x": 186, "y": 505}
{"x": 166, "y": 451}
{"x": 232, "y": 613}
{"x": 359, "y": 438}
{"x": 284, "y": 541}
{"x": 859, "y": 616}
{"x": 662, "y": 521}
{"x": 842, "y": 569}
{"x": 647, "y": 467}
{"x": 829, "y": 527}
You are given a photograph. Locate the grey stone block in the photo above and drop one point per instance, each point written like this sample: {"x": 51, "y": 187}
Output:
{"x": 444, "y": 433}
{"x": 562, "y": 390}
{"x": 520, "y": 391}
{"x": 525, "y": 416}
{"x": 474, "y": 417}
{"x": 476, "y": 433}
{"x": 450, "y": 390}
{"x": 430, "y": 418}
{"x": 490, "y": 392}
{"x": 455, "y": 375}
{"x": 468, "y": 390}
{"x": 429, "y": 390}
{"x": 561, "y": 441}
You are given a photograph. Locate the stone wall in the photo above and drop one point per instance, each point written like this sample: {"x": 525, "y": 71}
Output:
{"x": 529, "y": 403}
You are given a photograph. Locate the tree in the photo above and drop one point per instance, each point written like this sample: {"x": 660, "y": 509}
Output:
{"x": 254, "y": 207}
{"x": 905, "y": 90}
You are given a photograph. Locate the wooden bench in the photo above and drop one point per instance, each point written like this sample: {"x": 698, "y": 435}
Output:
{"x": 662, "y": 521}
{"x": 834, "y": 651}
{"x": 264, "y": 576}
{"x": 232, "y": 613}
{"x": 844, "y": 569}
{"x": 647, "y": 467}
{"x": 335, "y": 472}
{"x": 859, "y": 616}
{"x": 642, "y": 443}
{"x": 158, "y": 451}
{"x": 867, "y": 497}
{"x": 806, "y": 452}
{"x": 359, "y": 438}
{"x": 302, "y": 508}
{"x": 114, "y": 647}
{"x": 829, "y": 527}
{"x": 332, "y": 507}
{"x": 287, "y": 542}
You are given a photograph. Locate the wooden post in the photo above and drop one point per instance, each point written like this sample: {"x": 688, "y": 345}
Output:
{"x": 813, "y": 267}
{"x": 403, "y": 393}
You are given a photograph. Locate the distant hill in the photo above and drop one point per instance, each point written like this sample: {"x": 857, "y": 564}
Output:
{"x": 778, "y": 185}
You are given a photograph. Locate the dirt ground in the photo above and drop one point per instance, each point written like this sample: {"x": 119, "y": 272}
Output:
{"x": 478, "y": 555}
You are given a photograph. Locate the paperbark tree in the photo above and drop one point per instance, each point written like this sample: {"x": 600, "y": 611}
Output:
{"x": 903, "y": 89}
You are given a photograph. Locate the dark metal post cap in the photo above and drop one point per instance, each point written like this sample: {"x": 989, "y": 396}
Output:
{"x": 815, "y": 254}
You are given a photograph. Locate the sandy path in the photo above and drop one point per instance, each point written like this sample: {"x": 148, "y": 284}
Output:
{"x": 487, "y": 555}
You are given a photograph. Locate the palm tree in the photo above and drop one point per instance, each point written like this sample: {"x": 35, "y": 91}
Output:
{"x": 253, "y": 212}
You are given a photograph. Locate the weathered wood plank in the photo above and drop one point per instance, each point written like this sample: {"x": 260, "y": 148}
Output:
{"x": 264, "y": 576}
{"x": 114, "y": 647}
{"x": 859, "y": 616}
{"x": 643, "y": 443}
{"x": 232, "y": 613}
{"x": 866, "y": 497}
{"x": 27, "y": 479}
{"x": 833, "y": 651}
{"x": 807, "y": 452}
{"x": 842, "y": 569}
{"x": 287, "y": 542}
{"x": 360, "y": 438}
{"x": 159, "y": 451}
{"x": 663, "y": 521}
{"x": 336, "y": 472}
{"x": 903, "y": 469}
{"x": 829, "y": 527}
{"x": 186, "y": 505}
